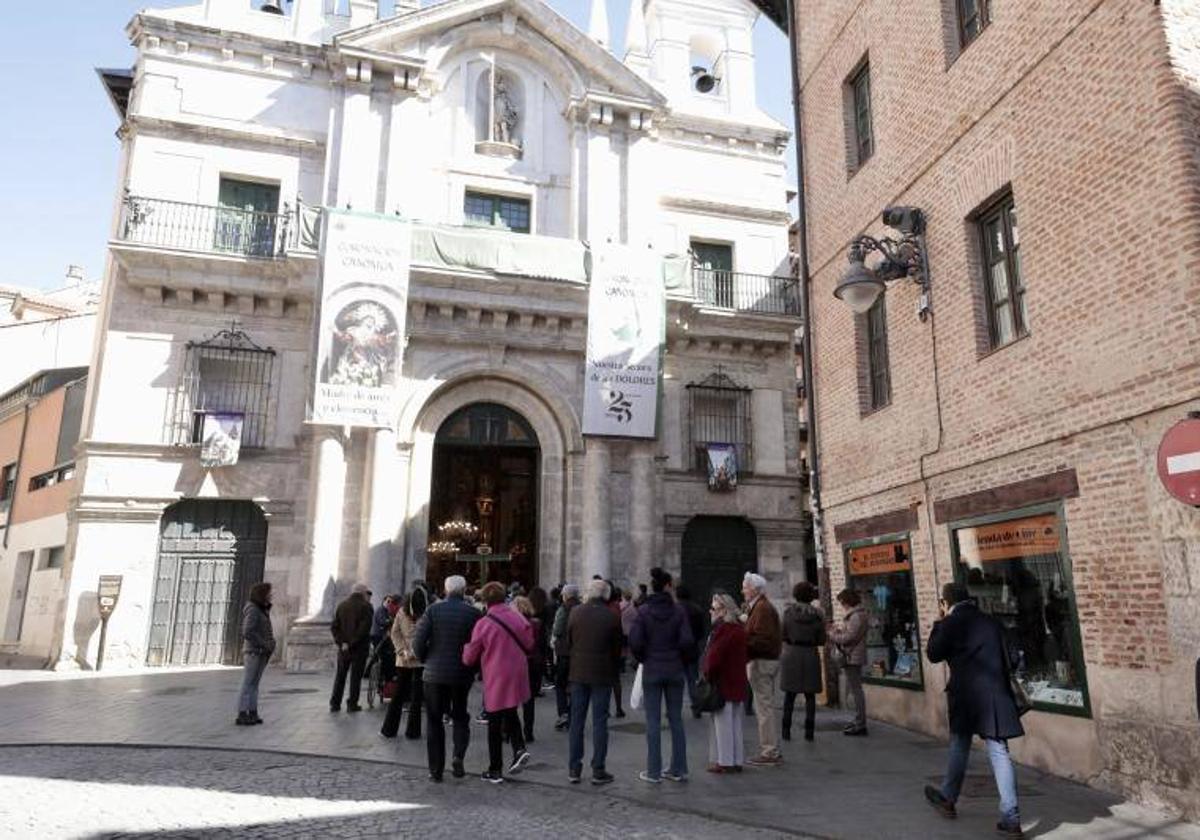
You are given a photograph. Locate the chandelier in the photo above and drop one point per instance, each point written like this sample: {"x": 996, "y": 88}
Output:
{"x": 457, "y": 529}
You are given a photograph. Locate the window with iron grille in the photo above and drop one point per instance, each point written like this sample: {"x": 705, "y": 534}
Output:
{"x": 719, "y": 412}
{"x": 1004, "y": 288}
{"x": 973, "y": 17}
{"x": 498, "y": 211}
{"x": 862, "y": 136}
{"x": 227, "y": 373}
{"x": 877, "y": 355}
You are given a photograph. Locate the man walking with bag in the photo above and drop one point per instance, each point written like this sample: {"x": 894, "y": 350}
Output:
{"x": 981, "y": 701}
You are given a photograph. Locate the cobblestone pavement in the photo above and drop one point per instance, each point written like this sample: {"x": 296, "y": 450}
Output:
{"x": 184, "y": 792}
{"x": 307, "y": 771}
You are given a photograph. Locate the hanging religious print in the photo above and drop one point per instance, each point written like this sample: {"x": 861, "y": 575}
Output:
{"x": 722, "y": 467}
{"x": 221, "y": 438}
{"x": 626, "y": 320}
{"x": 360, "y": 334}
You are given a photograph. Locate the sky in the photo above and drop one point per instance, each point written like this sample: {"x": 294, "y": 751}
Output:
{"x": 58, "y": 149}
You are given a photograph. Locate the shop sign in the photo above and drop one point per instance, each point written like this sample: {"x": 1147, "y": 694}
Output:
{"x": 880, "y": 559}
{"x": 1032, "y": 536}
{"x": 626, "y": 320}
{"x": 360, "y": 328}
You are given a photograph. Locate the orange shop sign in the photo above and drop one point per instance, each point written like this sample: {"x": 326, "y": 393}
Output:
{"x": 880, "y": 559}
{"x": 1011, "y": 540}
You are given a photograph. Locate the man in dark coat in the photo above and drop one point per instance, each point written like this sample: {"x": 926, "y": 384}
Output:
{"x": 562, "y": 654}
{"x": 441, "y": 634}
{"x": 980, "y": 701}
{"x": 698, "y": 621}
{"x": 594, "y": 646}
{"x": 351, "y": 628}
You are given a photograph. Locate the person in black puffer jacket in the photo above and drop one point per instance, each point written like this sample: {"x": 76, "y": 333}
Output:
{"x": 661, "y": 640}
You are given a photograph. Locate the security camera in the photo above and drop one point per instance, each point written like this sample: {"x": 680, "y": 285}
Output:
{"x": 907, "y": 220}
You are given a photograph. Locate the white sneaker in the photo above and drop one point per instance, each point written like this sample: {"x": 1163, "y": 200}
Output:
{"x": 646, "y": 777}
{"x": 519, "y": 762}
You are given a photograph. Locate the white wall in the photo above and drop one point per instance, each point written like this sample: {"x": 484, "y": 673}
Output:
{"x": 26, "y": 348}
{"x": 45, "y": 585}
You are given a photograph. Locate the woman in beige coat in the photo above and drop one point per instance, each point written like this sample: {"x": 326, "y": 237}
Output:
{"x": 850, "y": 638}
{"x": 408, "y": 669}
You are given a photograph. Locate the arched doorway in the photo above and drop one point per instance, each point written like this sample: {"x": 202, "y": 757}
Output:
{"x": 211, "y": 551}
{"x": 483, "y": 499}
{"x": 716, "y": 552}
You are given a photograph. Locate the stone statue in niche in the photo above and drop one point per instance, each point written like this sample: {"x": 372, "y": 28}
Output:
{"x": 505, "y": 114}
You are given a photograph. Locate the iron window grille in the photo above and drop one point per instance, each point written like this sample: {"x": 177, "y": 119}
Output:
{"x": 719, "y": 412}
{"x": 878, "y": 371}
{"x": 1003, "y": 284}
{"x": 860, "y": 91}
{"x": 973, "y": 18}
{"x": 227, "y": 373}
{"x": 497, "y": 211}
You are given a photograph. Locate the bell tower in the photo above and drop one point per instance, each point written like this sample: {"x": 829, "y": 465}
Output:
{"x": 701, "y": 53}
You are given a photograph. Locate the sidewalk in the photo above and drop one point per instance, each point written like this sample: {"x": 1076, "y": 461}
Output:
{"x": 835, "y": 787}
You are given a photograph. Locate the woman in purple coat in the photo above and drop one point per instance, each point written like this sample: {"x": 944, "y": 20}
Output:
{"x": 502, "y": 643}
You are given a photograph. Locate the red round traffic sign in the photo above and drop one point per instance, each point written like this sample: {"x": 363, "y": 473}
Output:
{"x": 1179, "y": 461}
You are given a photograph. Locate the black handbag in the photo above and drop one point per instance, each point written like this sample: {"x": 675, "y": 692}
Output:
{"x": 708, "y": 697}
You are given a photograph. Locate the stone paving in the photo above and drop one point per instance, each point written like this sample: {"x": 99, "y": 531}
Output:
{"x": 184, "y": 769}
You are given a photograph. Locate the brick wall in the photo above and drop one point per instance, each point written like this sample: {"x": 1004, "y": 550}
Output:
{"x": 1089, "y": 111}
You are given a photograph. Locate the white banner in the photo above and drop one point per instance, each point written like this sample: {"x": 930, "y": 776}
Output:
{"x": 626, "y": 320}
{"x": 360, "y": 334}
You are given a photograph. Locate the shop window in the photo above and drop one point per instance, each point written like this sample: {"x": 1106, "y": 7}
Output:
{"x": 719, "y": 415}
{"x": 880, "y": 571}
{"x": 1018, "y": 570}
{"x": 225, "y": 374}
{"x": 497, "y": 211}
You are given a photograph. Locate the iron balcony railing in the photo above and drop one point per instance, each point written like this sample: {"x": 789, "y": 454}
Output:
{"x": 764, "y": 293}
{"x": 205, "y": 227}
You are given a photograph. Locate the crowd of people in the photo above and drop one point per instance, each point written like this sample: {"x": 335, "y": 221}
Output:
{"x": 431, "y": 650}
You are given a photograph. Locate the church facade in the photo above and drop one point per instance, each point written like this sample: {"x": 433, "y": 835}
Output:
{"x": 516, "y": 149}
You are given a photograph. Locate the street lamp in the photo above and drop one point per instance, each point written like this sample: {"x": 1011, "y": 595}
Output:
{"x": 861, "y": 286}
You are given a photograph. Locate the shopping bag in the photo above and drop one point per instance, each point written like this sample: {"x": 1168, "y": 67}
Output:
{"x": 635, "y": 694}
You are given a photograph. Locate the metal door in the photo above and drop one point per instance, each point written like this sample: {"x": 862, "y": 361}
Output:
{"x": 717, "y": 551}
{"x": 20, "y": 592}
{"x": 210, "y": 553}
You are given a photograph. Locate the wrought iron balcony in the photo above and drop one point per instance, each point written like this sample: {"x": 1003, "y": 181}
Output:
{"x": 760, "y": 293}
{"x": 208, "y": 228}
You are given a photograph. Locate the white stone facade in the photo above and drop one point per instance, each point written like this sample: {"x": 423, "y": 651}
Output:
{"x": 387, "y": 116}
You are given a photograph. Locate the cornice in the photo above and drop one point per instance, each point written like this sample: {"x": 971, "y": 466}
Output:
{"x": 715, "y": 207}
{"x": 197, "y": 130}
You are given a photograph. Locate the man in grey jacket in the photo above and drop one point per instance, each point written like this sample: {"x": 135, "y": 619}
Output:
{"x": 441, "y": 634}
{"x": 258, "y": 643}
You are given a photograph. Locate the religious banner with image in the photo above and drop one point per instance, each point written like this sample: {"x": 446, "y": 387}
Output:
{"x": 221, "y": 439}
{"x": 722, "y": 467}
{"x": 626, "y": 323}
{"x": 360, "y": 334}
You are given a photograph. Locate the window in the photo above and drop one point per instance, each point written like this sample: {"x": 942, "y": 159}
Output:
{"x": 719, "y": 412}
{"x": 878, "y": 375}
{"x": 498, "y": 211}
{"x": 52, "y": 558}
{"x": 714, "y": 273}
{"x": 225, "y": 374}
{"x": 1003, "y": 286}
{"x": 973, "y": 16}
{"x": 880, "y": 571}
{"x": 246, "y": 220}
{"x": 862, "y": 144}
{"x": 52, "y": 477}
{"x": 8, "y": 484}
{"x": 1017, "y": 569}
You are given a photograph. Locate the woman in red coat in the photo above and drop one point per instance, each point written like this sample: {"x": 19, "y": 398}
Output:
{"x": 725, "y": 667}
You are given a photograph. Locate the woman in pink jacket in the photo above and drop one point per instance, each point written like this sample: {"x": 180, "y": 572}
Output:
{"x": 502, "y": 643}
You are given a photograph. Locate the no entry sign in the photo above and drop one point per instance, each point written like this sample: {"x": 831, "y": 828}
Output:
{"x": 1179, "y": 461}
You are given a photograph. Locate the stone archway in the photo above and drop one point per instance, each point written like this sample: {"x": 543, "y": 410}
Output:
{"x": 553, "y": 432}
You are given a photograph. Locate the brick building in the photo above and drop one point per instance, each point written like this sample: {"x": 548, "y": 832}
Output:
{"x": 1009, "y": 440}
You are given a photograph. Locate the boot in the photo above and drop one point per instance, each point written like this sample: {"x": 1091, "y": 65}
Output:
{"x": 244, "y": 719}
{"x": 809, "y": 726}
{"x": 787, "y": 726}
{"x": 254, "y": 718}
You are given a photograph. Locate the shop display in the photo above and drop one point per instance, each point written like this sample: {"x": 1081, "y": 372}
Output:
{"x": 1017, "y": 570}
{"x": 881, "y": 573}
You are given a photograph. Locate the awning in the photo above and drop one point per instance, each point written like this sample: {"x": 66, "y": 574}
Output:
{"x": 501, "y": 252}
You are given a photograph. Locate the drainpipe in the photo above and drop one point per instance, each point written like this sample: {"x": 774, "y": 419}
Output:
{"x": 12, "y": 503}
{"x": 810, "y": 392}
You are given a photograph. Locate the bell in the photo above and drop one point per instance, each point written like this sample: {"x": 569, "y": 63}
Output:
{"x": 271, "y": 8}
{"x": 703, "y": 81}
